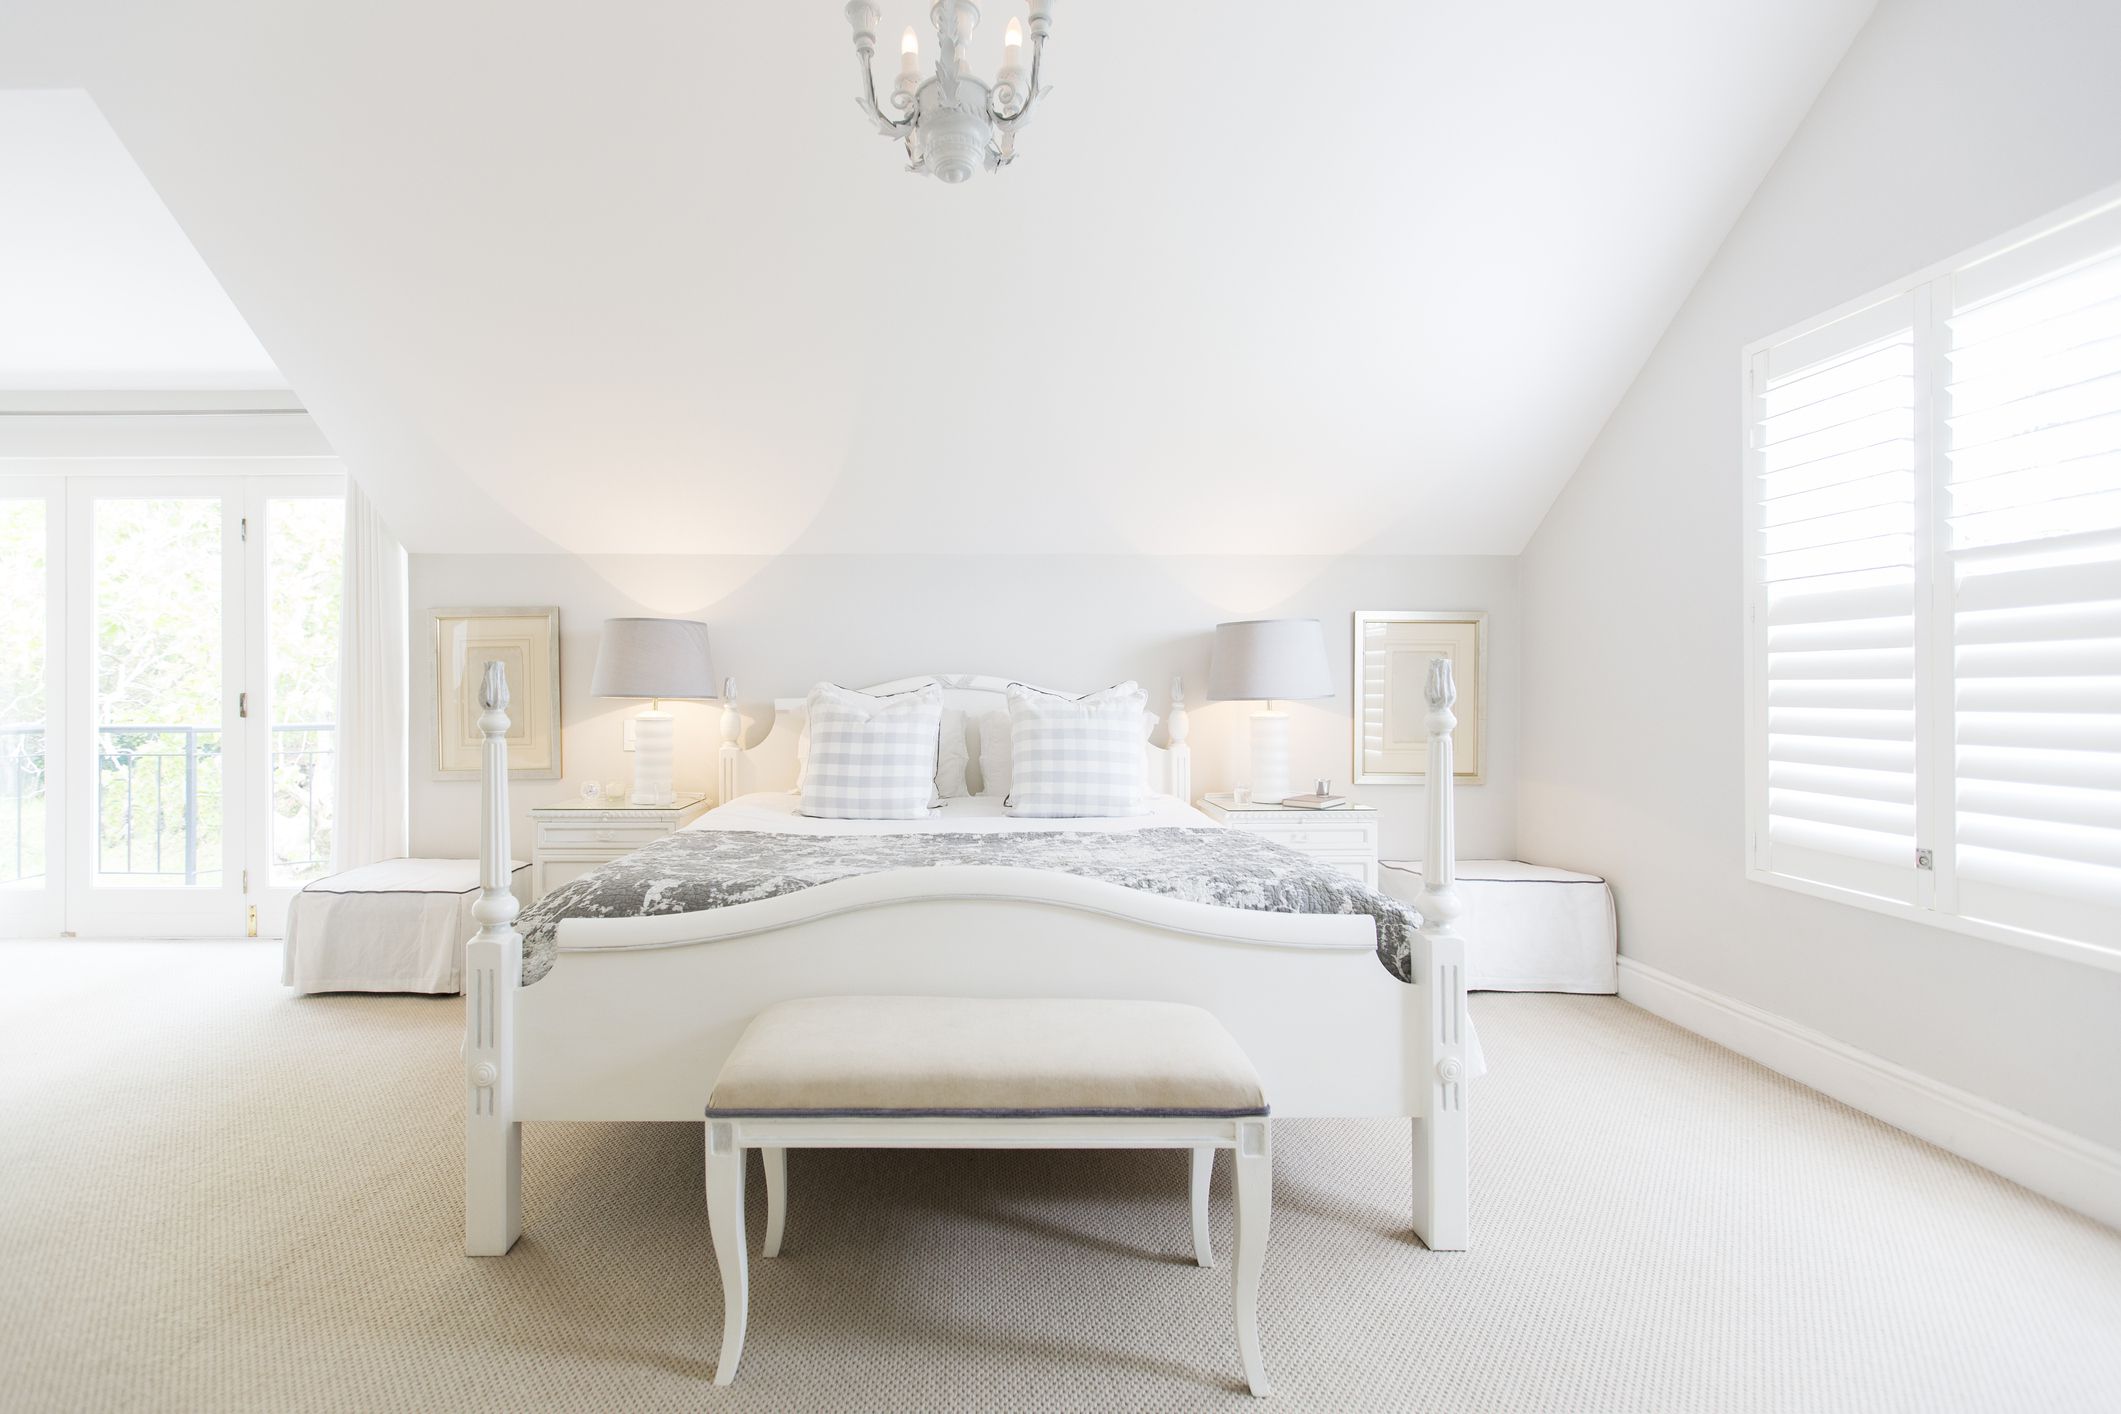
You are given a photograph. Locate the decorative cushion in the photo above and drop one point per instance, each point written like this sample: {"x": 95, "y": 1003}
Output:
{"x": 871, "y": 758}
{"x": 1076, "y": 756}
{"x": 984, "y": 1056}
{"x": 951, "y": 756}
{"x": 993, "y": 729}
{"x": 956, "y": 752}
{"x": 989, "y": 733}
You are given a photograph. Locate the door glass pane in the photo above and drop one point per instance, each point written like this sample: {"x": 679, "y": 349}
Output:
{"x": 23, "y": 607}
{"x": 158, "y": 616}
{"x": 302, "y": 550}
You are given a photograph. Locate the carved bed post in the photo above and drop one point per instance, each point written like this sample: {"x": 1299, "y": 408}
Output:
{"x": 1178, "y": 754}
{"x": 732, "y": 743}
{"x": 493, "y": 970}
{"x": 1437, "y": 1034}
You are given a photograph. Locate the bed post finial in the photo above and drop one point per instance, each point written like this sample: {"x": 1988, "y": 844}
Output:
{"x": 732, "y": 743}
{"x": 493, "y": 970}
{"x": 1436, "y": 967}
{"x": 1178, "y": 754}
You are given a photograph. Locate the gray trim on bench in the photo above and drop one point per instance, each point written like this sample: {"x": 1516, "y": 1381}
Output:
{"x": 1055, "y": 1112}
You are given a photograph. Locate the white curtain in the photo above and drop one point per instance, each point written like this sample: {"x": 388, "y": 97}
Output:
{"x": 370, "y": 821}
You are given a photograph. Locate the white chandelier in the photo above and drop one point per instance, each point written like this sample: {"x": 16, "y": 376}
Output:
{"x": 953, "y": 123}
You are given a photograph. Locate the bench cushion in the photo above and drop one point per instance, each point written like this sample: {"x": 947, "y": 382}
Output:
{"x": 985, "y": 1057}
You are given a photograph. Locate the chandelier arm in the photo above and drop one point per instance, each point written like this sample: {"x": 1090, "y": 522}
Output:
{"x": 946, "y": 44}
{"x": 866, "y": 100}
{"x": 1010, "y": 122}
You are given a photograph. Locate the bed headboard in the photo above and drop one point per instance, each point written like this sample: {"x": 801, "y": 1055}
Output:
{"x": 770, "y": 765}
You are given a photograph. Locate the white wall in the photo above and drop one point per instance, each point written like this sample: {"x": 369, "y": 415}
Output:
{"x": 1950, "y": 121}
{"x": 780, "y": 624}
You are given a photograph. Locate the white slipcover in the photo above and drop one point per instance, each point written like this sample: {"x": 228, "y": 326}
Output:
{"x": 1527, "y": 928}
{"x": 396, "y": 926}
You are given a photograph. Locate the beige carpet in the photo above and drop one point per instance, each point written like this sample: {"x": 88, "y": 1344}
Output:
{"x": 217, "y": 1196}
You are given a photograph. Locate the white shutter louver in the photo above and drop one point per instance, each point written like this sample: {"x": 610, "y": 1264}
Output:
{"x": 1834, "y": 428}
{"x": 2033, "y": 498}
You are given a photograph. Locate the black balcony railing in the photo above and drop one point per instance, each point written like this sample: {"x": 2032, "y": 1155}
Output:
{"x": 158, "y": 802}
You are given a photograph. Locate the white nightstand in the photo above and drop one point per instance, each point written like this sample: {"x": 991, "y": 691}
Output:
{"x": 1345, "y": 838}
{"x": 575, "y": 836}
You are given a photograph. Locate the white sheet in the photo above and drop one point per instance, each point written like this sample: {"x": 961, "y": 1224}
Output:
{"x": 776, "y": 812}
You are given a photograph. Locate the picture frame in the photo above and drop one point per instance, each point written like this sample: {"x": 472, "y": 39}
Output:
{"x": 1392, "y": 652}
{"x": 527, "y": 640}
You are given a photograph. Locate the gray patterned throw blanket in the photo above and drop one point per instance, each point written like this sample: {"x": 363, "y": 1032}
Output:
{"x": 701, "y": 869}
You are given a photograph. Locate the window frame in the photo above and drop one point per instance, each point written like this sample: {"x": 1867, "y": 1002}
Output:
{"x": 66, "y": 906}
{"x": 1936, "y": 897}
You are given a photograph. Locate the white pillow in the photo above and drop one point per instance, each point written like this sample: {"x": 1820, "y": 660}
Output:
{"x": 1076, "y": 757}
{"x": 871, "y": 758}
{"x": 994, "y": 753}
{"x": 951, "y": 757}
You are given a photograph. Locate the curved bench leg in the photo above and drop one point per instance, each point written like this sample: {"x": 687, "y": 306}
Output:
{"x": 775, "y": 1162}
{"x": 1203, "y": 1175}
{"x": 725, "y": 1220}
{"x": 1255, "y": 1202}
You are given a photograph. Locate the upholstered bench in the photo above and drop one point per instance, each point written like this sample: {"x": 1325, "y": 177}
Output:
{"x": 980, "y": 1073}
{"x": 396, "y": 926}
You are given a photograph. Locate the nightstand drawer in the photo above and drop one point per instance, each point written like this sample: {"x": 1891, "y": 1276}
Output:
{"x": 1310, "y": 836}
{"x": 623, "y": 837}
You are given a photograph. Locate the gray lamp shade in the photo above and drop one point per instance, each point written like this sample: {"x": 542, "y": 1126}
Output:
{"x": 653, "y": 658}
{"x": 1260, "y": 659}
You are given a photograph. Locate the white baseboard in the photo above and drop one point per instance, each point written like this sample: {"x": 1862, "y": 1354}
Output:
{"x": 2071, "y": 1170}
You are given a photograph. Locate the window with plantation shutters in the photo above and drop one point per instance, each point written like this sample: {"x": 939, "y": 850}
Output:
{"x": 1934, "y": 595}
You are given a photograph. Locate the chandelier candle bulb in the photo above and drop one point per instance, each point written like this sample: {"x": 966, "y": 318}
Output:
{"x": 1009, "y": 81}
{"x": 909, "y": 71}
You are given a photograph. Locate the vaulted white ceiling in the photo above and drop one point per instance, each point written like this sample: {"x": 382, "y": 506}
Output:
{"x": 1266, "y": 277}
{"x": 98, "y": 287}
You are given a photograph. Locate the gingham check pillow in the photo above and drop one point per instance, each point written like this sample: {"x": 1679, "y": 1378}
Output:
{"x": 1076, "y": 756}
{"x": 871, "y": 758}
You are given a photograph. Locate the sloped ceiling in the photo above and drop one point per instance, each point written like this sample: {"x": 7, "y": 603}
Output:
{"x": 98, "y": 287}
{"x": 1270, "y": 277}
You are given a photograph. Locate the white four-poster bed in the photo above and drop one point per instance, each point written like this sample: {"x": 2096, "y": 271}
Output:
{"x": 638, "y": 1013}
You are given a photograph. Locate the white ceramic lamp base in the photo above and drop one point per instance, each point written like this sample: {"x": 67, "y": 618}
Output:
{"x": 1270, "y": 756}
{"x": 655, "y": 738}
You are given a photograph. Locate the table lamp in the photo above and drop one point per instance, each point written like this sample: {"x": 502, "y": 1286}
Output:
{"x": 655, "y": 659}
{"x": 1269, "y": 660}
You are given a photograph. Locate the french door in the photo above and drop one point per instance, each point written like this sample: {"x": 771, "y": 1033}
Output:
{"x": 174, "y": 777}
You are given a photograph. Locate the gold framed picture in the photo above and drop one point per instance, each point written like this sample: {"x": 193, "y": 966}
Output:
{"x": 1393, "y": 650}
{"x": 527, "y": 643}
